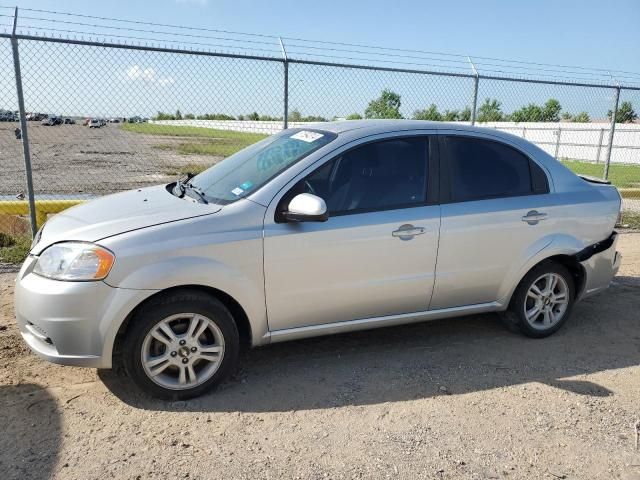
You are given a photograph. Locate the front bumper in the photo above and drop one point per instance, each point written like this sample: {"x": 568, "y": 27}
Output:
{"x": 71, "y": 323}
{"x": 600, "y": 267}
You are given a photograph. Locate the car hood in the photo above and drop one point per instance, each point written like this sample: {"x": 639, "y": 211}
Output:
{"x": 119, "y": 213}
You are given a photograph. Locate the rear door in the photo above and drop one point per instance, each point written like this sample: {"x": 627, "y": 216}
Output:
{"x": 495, "y": 208}
{"x": 376, "y": 254}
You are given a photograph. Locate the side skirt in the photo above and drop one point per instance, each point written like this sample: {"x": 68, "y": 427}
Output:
{"x": 378, "y": 322}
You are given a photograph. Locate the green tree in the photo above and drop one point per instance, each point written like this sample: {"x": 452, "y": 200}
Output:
{"x": 313, "y": 118}
{"x": 567, "y": 116}
{"x": 490, "y": 111}
{"x": 386, "y": 106}
{"x": 625, "y": 113}
{"x": 164, "y": 116}
{"x": 528, "y": 113}
{"x": 551, "y": 111}
{"x": 295, "y": 116}
{"x": 430, "y": 113}
{"x": 178, "y": 115}
{"x": 354, "y": 116}
{"x": 465, "y": 115}
{"x": 189, "y": 116}
{"x": 582, "y": 117}
{"x": 253, "y": 116}
{"x": 451, "y": 115}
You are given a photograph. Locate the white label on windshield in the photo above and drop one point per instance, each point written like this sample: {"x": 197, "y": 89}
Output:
{"x": 307, "y": 136}
{"x": 237, "y": 191}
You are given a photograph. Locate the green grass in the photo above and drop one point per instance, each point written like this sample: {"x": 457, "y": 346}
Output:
{"x": 17, "y": 252}
{"x": 182, "y": 170}
{"x": 631, "y": 219}
{"x": 216, "y": 143}
{"x": 186, "y": 131}
{"x": 622, "y": 176}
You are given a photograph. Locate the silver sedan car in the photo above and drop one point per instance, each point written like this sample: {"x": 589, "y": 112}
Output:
{"x": 316, "y": 231}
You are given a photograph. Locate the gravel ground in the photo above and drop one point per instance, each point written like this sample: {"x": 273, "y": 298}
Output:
{"x": 459, "y": 398}
{"x": 73, "y": 160}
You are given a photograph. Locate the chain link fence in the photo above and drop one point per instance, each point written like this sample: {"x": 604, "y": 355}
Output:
{"x": 104, "y": 117}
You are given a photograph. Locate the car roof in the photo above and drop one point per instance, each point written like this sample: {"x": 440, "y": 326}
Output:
{"x": 371, "y": 127}
{"x": 389, "y": 125}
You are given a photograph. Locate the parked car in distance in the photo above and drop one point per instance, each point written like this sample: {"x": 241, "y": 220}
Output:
{"x": 316, "y": 231}
{"x": 52, "y": 120}
{"x": 34, "y": 116}
{"x": 95, "y": 123}
{"x": 69, "y": 121}
{"x": 8, "y": 117}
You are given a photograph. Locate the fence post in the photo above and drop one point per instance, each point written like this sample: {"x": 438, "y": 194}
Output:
{"x": 476, "y": 81}
{"x": 599, "y": 145}
{"x": 612, "y": 130}
{"x": 286, "y": 85}
{"x": 23, "y": 127}
{"x": 558, "y": 142}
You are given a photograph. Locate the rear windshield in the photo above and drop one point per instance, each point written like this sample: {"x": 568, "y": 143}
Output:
{"x": 249, "y": 169}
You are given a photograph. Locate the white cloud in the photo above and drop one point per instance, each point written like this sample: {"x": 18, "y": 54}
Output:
{"x": 138, "y": 73}
{"x": 167, "y": 81}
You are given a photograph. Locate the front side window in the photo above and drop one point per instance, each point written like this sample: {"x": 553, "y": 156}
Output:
{"x": 480, "y": 169}
{"x": 377, "y": 176}
{"x": 249, "y": 169}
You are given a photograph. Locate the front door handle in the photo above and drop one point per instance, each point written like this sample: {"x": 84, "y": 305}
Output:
{"x": 407, "y": 231}
{"x": 532, "y": 217}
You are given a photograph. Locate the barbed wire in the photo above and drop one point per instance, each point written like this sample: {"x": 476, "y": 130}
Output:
{"x": 256, "y": 43}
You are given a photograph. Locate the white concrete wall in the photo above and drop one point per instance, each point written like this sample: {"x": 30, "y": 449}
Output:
{"x": 572, "y": 140}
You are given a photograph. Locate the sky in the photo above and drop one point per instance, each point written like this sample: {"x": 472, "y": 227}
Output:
{"x": 576, "y": 32}
{"x": 583, "y": 33}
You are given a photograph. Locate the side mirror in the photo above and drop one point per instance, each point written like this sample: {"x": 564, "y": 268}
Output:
{"x": 306, "y": 207}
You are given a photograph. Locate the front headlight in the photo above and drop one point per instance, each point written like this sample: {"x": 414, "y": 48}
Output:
{"x": 74, "y": 261}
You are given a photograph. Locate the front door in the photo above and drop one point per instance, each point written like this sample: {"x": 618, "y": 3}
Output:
{"x": 376, "y": 254}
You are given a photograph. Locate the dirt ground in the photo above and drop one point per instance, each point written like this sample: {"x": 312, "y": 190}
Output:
{"x": 94, "y": 161}
{"x": 460, "y": 398}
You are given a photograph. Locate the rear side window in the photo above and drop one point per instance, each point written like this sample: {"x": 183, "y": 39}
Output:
{"x": 480, "y": 169}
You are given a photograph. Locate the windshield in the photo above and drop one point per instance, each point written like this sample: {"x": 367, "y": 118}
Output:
{"x": 249, "y": 169}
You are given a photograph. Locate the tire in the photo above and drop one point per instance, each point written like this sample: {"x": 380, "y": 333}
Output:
{"x": 554, "y": 309}
{"x": 180, "y": 345}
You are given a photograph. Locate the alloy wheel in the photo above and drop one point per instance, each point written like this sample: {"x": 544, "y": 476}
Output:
{"x": 547, "y": 301}
{"x": 182, "y": 351}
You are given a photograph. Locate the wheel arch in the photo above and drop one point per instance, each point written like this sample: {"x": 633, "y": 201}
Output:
{"x": 569, "y": 261}
{"x": 238, "y": 313}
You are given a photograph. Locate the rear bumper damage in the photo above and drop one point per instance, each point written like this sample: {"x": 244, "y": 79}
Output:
{"x": 601, "y": 263}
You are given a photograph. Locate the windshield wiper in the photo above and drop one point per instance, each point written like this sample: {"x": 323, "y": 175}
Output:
{"x": 179, "y": 189}
{"x": 182, "y": 185}
{"x": 196, "y": 190}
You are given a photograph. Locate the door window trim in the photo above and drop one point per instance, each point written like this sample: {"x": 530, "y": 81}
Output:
{"x": 445, "y": 171}
{"x": 432, "y": 196}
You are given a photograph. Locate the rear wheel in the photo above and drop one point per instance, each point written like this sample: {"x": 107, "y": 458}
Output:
{"x": 543, "y": 301}
{"x": 181, "y": 345}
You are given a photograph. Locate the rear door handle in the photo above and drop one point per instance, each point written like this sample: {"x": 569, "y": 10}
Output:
{"x": 532, "y": 217}
{"x": 407, "y": 232}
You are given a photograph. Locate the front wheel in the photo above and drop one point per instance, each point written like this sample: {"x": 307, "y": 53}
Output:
{"x": 181, "y": 345}
{"x": 543, "y": 301}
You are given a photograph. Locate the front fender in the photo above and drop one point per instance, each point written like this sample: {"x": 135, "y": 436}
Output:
{"x": 246, "y": 287}
{"x": 546, "y": 247}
